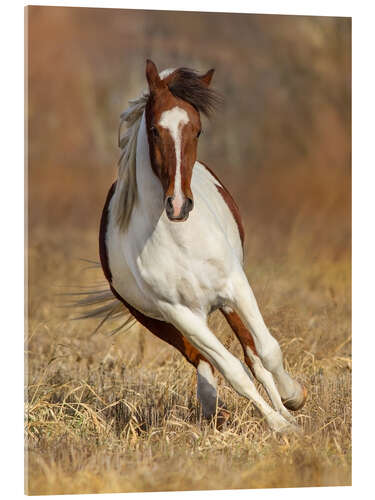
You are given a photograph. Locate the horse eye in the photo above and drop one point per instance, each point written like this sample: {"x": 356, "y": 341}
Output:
{"x": 154, "y": 131}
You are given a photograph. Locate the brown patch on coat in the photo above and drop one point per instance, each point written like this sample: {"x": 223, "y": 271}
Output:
{"x": 102, "y": 235}
{"x": 242, "y": 333}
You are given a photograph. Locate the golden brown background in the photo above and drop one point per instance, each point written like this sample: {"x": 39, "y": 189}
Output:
{"x": 120, "y": 413}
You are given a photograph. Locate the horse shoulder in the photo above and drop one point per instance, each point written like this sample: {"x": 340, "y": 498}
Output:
{"x": 229, "y": 201}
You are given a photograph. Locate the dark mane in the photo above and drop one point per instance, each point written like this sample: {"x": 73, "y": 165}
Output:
{"x": 185, "y": 83}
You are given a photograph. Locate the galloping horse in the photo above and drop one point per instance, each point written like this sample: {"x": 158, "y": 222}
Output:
{"x": 171, "y": 248}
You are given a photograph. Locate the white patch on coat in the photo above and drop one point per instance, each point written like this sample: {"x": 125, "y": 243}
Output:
{"x": 173, "y": 120}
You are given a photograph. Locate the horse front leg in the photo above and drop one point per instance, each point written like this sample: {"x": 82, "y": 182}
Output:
{"x": 206, "y": 383}
{"x": 194, "y": 328}
{"x": 293, "y": 395}
{"x": 253, "y": 361}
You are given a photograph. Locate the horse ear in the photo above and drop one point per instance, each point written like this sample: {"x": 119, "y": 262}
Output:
{"x": 152, "y": 75}
{"x": 207, "y": 77}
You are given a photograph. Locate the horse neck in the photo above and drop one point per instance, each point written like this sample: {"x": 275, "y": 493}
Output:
{"x": 149, "y": 189}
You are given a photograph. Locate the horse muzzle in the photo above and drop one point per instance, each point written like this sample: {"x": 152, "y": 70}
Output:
{"x": 177, "y": 211}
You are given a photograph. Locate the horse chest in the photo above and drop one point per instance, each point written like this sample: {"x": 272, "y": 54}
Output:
{"x": 170, "y": 266}
{"x": 190, "y": 275}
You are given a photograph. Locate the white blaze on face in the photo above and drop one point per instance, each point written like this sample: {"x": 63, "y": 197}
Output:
{"x": 173, "y": 120}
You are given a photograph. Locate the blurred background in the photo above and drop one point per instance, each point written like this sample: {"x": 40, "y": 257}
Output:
{"x": 281, "y": 143}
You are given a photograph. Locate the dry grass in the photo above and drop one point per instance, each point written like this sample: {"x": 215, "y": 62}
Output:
{"x": 115, "y": 414}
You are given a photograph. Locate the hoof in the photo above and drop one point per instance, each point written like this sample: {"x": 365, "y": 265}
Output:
{"x": 281, "y": 426}
{"x": 290, "y": 429}
{"x": 297, "y": 401}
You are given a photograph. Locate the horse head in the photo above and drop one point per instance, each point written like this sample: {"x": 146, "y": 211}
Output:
{"x": 173, "y": 128}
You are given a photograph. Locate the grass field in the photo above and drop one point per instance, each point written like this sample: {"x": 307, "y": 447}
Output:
{"x": 116, "y": 414}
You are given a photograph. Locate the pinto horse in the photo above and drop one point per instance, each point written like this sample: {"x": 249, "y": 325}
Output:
{"x": 171, "y": 248}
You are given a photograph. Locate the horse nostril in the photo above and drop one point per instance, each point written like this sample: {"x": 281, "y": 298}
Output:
{"x": 189, "y": 204}
{"x": 168, "y": 203}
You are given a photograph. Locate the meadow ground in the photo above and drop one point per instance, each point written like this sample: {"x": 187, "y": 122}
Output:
{"x": 116, "y": 414}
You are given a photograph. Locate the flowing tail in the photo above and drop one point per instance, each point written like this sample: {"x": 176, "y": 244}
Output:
{"x": 98, "y": 301}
